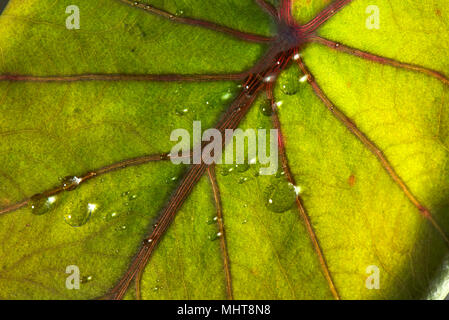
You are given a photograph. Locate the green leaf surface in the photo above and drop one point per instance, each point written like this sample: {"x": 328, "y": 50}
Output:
{"x": 360, "y": 215}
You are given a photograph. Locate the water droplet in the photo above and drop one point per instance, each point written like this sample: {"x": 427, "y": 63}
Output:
{"x": 289, "y": 82}
{"x": 171, "y": 179}
{"x": 213, "y": 220}
{"x": 182, "y": 111}
{"x": 70, "y": 183}
{"x": 244, "y": 221}
{"x": 110, "y": 216}
{"x": 243, "y": 180}
{"x": 226, "y": 170}
{"x": 226, "y": 96}
{"x": 242, "y": 167}
{"x": 86, "y": 279}
{"x": 41, "y": 205}
{"x": 280, "y": 196}
{"x": 182, "y": 12}
{"x": 280, "y": 173}
{"x": 121, "y": 228}
{"x": 290, "y": 87}
{"x": 265, "y": 108}
{"x": 132, "y": 197}
{"x": 80, "y": 216}
{"x": 215, "y": 236}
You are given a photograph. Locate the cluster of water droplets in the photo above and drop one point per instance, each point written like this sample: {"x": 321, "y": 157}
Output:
{"x": 278, "y": 195}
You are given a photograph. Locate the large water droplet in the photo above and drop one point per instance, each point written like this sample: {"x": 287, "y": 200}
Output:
{"x": 41, "y": 205}
{"x": 265, "y": 108}
{"x": 280, "y": 196}
{"x": 80, "y": 216}
{"x": 289, "y": 82}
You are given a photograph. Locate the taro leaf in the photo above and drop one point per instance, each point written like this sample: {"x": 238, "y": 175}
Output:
{"x": 362, "y": 219}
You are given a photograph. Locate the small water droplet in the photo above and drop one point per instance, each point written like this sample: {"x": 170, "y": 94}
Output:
{"x": 244, "y": 221}
{"x": 111, "y": 215}
{"x": 242, "y": 167}
{"x": 280, "y": 196}
{"x": 213, "y": 220}
{"x": 182, "y": 111}
{"x": 132, "y": 197}
{"x": 41, "y": 205}
{"x": 215, "y": 236}
{"x": 182, "y": 12}
{"x": 171, "y": 179}
{"x": 226, "y": 170}
{"x": 226, "y": 96}
{"x": 122, "y": 228}
{"x": 230, "y": 93}
{"x": 70, "y": 183}
{"x": 280, "y": 173}
{"x": 86, "y": 279}
{"x": 243, "y": 180}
